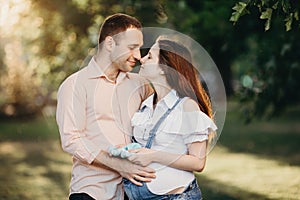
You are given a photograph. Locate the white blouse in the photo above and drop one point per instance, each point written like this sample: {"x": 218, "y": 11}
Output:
{"x": 178, "y": 129}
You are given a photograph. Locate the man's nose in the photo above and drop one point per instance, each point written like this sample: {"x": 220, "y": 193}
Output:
{"x": 137, "y": 54}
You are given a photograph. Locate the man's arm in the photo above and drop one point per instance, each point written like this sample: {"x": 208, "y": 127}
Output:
{"x": 71, "y": 120}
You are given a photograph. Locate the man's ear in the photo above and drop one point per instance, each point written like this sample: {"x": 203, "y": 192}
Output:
{"x": 109, "y": 43}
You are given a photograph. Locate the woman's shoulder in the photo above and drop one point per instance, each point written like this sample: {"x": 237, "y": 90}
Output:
{"x": 190, "y": 105}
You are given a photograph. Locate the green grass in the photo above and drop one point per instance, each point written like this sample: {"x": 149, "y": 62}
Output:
{"x": 260, "y": 160}
{"x": 33, "y": 170}
{"x": 255, "y": 161}
{"x": 277, "y": 139}
{"x": 42, "y": 128}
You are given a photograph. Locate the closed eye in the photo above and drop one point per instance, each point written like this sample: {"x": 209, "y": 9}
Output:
{"x": 133, "y": 47}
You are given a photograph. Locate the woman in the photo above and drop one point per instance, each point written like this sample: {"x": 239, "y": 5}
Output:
{"x": 173, "y": 125}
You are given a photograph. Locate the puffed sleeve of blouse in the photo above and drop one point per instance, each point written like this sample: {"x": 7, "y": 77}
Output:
{"x": 192, "y": 126}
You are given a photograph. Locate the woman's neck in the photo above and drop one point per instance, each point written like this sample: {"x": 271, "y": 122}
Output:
{"x": 161, "y": 89}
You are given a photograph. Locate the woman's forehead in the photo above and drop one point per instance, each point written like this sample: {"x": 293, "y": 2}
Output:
{"x": 154, "y": 48}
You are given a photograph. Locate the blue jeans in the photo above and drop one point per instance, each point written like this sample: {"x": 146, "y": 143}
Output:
{"x": 135, "y": 192}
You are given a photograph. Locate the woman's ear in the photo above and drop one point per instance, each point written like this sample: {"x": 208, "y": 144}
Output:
{"x": 109, "y": 43}
{"x": 162, "y": 72}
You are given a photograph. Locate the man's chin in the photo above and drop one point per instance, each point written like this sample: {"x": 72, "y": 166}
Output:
{"x": 127, "y": 68}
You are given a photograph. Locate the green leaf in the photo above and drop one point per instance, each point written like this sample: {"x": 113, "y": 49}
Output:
{"x": 267, "y": 15}
{"x": 275, "y": 6}
{"x": 286, "y": 6}
{"x": 296, "y": 15}
{"x": 240, "y": 9}
{"x": 288, "y": 22}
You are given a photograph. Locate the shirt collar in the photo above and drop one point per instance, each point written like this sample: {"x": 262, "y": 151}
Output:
{"x": 94, "y": 71}
{"x": 148, "y": 102}
{"x": 169, "y": 100}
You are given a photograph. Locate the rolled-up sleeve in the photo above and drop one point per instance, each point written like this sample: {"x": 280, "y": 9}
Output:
{"x": 71, "y": 117}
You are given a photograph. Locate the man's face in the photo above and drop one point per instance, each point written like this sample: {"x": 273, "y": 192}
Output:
{"x": 127, "y": 49}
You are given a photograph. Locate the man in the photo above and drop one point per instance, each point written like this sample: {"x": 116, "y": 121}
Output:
{"x": 94, "y": 109}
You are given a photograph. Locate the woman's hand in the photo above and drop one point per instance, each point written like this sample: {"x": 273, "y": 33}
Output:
{"x": 142, "y": 156}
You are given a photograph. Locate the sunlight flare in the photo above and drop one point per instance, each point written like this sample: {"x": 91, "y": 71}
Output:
{"x": 11, "y": 11}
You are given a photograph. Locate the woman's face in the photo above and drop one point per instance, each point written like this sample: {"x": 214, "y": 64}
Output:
{"x": 150, "y": 68}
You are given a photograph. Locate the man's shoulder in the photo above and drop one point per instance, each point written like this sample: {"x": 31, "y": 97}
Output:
{"x": 72, "y": 78}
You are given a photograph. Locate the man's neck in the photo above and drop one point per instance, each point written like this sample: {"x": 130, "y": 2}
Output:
{"x": 103, "y": 61}
{"x": 111, "y": 73}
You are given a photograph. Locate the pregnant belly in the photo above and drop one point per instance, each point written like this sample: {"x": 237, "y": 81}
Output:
{"x": 169, "y": 180}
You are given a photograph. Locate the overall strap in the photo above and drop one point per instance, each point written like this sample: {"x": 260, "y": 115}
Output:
{"x": 153, "y": 131}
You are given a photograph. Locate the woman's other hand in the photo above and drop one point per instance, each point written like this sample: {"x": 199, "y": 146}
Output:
{"x": 142, "y": 156}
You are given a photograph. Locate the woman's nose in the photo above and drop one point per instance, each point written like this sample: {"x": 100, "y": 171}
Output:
{"x": 143, "y": 59}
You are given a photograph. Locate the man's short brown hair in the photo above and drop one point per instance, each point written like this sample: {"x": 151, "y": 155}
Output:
{"x": 117, "y": 23}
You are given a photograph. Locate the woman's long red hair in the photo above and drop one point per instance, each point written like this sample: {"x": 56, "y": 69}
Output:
{"x": 176, "y": 62}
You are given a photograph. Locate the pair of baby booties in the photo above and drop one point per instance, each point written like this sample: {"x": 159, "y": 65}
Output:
{"x": 123, "y": 151}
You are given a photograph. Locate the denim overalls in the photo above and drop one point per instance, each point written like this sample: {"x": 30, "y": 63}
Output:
{"x": 134, "y": 192}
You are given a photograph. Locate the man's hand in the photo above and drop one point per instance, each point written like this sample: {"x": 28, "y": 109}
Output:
{"x": 128, "y": 170}
{"x": 135, "y": 173}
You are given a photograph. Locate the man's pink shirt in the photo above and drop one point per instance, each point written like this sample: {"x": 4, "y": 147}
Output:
{"x": 94, "y": 113}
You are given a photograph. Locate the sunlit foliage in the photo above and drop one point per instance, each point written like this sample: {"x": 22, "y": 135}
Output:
{"x": 286, "y": 10}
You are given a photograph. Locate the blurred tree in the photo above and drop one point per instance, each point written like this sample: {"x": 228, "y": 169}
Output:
{"x": 44, "y": 41}
{"x": 19, "y": 83}
{"x": 38, "y": 39}
{"x": 266, "y": 71}
{"x": 276, "y": 70}
{"x": 207, "y": 22}
{"x": 270, "y": 83}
